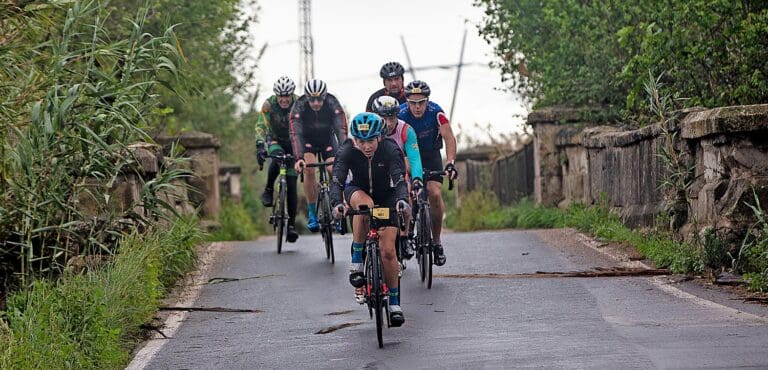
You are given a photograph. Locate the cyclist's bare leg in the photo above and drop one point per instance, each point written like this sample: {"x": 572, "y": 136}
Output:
{"x": 436, "y": 208}
{"x": 310, "y": 190}
{"x": 359, "y": 222}
{"x": 359, "y": 231}
{"x": 389, "y": 256}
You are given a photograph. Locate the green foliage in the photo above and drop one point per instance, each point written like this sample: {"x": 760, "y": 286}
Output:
{"x": 90, "y": 319}
{"x": 481, "y": 210}
{"x": 236, "y": 223}
{"x": 754, "y": 251}
{"x": 598, "y": 53}
{"x": 82, "y": 101}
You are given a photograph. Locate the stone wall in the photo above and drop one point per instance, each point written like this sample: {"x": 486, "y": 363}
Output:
{"x": 725, "y": 148}
{"x": 123, "y": 194}
{"x": 203, "y": 151}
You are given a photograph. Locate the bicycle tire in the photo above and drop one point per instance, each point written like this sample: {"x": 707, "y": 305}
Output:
{"x": 377, "y": 295}
{"x": 280, "y": 217}
{"x": 368, "y": 280}
{"x": 429, "y": 258}
{"x": 327, "y": 225}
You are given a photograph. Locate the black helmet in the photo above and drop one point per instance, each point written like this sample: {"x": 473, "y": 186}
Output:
{"x": 391, "y": 69}
{"x": 417, "y": 87}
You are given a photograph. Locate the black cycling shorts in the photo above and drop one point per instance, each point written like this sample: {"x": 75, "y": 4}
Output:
{"x": 314, "y": 146}
{"x": 432, "y": 161}
{"x": 388, "y": 201}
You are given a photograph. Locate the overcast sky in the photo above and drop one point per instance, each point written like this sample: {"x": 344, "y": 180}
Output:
{"x": 352, "y": 39}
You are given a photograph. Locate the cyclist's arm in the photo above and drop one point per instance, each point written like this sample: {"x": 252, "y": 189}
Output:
{"x": 339, "y": 120}
{"x": 369, "y": 104}
{"x": 297, "y": 131}
{"x": 397, "y": 171}
{"x": 339, "y": 174}
{"x": 447, "y": 133}
{"x": 262, "y": 123}
{"x": 411, "y": 147}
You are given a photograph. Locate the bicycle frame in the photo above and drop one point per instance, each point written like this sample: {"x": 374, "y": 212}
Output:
{"x": 278, "y": 219}
{"x": 323, "y": 204}
{"x": 422, "y": 231}
{"x": 376, "y": 289}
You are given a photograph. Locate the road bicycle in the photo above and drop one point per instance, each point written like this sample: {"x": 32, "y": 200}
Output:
{"x": 279, "y": 219}
{"x": 376, "y": 290}
{"x": 421, "y": 232}
{"x": 323, "y": 205}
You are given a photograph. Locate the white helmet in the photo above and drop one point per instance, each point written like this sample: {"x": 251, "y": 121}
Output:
{"x": 283, "y": 86}
{"x": 315, "y": 88}
{"x": 386, "y": 106}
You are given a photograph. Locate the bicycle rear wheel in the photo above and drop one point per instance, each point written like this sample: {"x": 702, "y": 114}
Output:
{"x": 279, "y": 212}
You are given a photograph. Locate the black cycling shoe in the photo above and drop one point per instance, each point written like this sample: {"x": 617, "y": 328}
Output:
{"x": 290, "y": 234}
{"x": 356, "y": 276}
{"x": 439, "y": 254}
{"x": 266, "y": 198}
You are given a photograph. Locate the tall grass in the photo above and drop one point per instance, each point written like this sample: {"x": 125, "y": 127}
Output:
{"x": 73, "y": 100}
{"x": 90, "y": 320}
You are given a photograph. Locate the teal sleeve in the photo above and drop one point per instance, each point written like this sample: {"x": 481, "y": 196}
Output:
{"x": 411, "y": 147}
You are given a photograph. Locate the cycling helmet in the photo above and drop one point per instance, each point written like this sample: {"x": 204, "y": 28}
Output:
{"x": 283, "y": 86}
{"x": 386, "y": 106}
{"x": 315, "y": 88}
{"x": 391, "y": 69}
{"x": 417, "y": 87}
{"x": 366, "y": 126}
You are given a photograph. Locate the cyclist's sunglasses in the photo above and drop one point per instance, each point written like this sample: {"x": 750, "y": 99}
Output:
{"x": 417, "y": 102}
{"x": 316, "y": 98}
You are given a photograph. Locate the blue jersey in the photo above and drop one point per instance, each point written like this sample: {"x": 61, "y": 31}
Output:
{"x": 427, "y": 127}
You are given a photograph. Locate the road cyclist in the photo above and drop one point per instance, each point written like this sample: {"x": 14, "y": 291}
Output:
{"x": 273, "y": 140}
{"x": 318, "y": 124}
{"x": 378, "y": 178}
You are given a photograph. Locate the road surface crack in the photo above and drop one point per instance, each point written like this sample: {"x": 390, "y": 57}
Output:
{"x": 331, "y": 329}
{"x": 209, "y": 309}
{"x": 597, "y": 272}
{"x": 219, "y": 280}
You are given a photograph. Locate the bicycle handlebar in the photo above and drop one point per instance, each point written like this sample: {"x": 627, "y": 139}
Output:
{"x": 311, "y": 165}
{"x": 365, "y": 211}
{"x": 280, "y": 157}
{"x": 428, "y": 173}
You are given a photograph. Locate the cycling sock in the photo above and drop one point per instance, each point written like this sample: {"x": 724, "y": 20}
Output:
{"x": 357, "y": 252}
{"x": 312, "y": 207}
{"x": 394, "y": 296}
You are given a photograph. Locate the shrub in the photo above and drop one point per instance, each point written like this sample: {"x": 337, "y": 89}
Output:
{"x": 90, "y": 319}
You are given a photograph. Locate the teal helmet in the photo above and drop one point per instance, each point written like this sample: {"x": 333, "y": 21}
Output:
{"x": 366, "y": 126}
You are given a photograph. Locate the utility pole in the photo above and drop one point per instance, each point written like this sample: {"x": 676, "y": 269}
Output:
{"x": 458, "y": 74}
{"x": 306, "y": 46}
{"x": 408, "y": 58}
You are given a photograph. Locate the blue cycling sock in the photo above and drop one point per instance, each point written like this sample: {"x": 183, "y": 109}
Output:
{"x": 357, "y": 252}
{"x": 394, "y": 296}
{"x": 312, "y": 207}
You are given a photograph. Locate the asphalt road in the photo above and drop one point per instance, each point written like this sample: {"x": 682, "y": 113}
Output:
{"x": 462, "y": 322}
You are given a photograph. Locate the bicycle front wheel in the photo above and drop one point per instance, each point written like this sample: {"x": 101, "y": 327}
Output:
{"x": 279, "y": 212}
{"x": 429, "y": 258}
{"x": 377, "y": 294}
{"x": 327, "y": 228}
